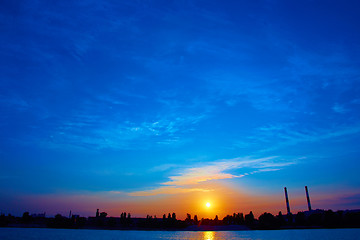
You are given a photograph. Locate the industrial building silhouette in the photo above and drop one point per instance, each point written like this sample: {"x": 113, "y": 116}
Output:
{"x": 288, "y": 203}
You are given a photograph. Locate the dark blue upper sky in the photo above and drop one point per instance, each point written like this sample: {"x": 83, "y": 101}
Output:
{"x": 135, "y": 99}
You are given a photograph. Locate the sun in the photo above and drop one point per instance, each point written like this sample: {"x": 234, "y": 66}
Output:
{"x": 208, "y": 204}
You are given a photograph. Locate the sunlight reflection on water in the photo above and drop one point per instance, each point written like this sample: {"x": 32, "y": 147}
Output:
{"x": 213, "y": 235}
{"x": 209, "y": 236}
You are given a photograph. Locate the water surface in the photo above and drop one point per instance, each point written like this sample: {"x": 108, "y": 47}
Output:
{"x": 76, "y": 234}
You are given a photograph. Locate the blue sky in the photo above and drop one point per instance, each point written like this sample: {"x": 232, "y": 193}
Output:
{"x": 139, "y": 101}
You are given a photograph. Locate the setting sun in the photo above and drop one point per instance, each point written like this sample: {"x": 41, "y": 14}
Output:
{"x": 208, "y": 204}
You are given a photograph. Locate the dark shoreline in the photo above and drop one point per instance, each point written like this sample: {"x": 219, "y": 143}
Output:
{"x": 187, "y": 229}
{"x": 316, "y": 219}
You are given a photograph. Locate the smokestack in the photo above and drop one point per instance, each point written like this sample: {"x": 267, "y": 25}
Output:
{"x": 287, "y": 201}
{"x": 308, "y": 198}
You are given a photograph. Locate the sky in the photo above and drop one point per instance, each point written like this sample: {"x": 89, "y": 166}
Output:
{"x": 152, "y": 107}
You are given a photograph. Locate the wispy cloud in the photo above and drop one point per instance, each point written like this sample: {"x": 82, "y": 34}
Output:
{"x": 338, "y": 108}
{"x": 14, "y": 101}
{"x": 287, "y": 135}
{"x": 190, "y": 179}
{"x": 92, "y": 131}
{"x": 167, "y": 190}
{"x": 163, "y": 167}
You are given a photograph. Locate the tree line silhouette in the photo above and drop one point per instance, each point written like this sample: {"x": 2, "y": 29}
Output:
{"x": 308, "y": 219}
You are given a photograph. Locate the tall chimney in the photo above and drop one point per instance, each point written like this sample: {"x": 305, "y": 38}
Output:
{"x": 308, "y": 198}
{"x": 287, "y": 201}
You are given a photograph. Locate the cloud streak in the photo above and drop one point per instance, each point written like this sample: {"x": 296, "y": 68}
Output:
{"x": 286, "y": 136}
{"x": 191, "y": 179}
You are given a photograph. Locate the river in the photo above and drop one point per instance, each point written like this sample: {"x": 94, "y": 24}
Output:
{"x": 80, "y": 234}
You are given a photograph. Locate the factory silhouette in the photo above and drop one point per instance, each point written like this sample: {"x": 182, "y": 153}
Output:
{"x": 237, "y": 221}
{"x": 288, "y": 204}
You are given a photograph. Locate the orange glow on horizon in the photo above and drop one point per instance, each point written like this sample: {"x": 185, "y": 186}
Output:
{"x": 223, "y": 200}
